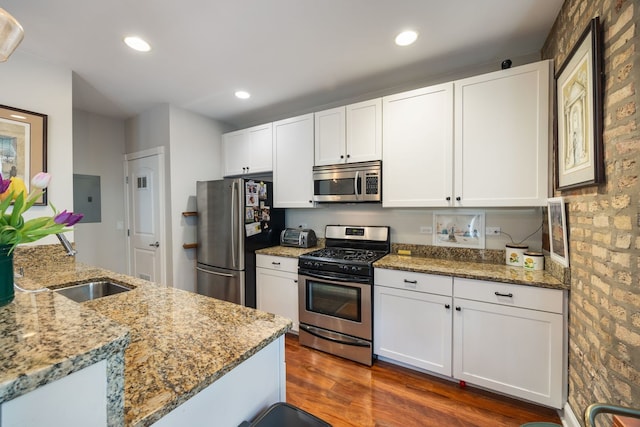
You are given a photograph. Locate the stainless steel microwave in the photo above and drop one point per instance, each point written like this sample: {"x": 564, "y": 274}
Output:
{"x": 348, "y": 183}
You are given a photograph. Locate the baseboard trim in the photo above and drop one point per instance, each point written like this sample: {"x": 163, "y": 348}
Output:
{"x": 568, "y": 417}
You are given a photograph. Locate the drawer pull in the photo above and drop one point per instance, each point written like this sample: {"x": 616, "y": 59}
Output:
{"x": 458, "y": 308}
{"x": 447, "y": 306}
{"x": 413, "y": 282}
{"x": 295, "y": 281}
{"x": 275, "y": 263}
{"x": 509, "y": 295}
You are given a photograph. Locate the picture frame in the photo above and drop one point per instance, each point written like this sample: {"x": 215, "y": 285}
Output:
{"x": 459, "y": 229}
{"x": 23, "y": 145}
{"x": 558, "y": 243}
{"x": 579, "y": 155}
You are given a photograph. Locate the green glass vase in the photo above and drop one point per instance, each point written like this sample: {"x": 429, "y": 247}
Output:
{"x": 6, "y": 275}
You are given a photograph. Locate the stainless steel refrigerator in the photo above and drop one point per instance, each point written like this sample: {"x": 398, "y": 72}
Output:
{"x": 235, "y": 218}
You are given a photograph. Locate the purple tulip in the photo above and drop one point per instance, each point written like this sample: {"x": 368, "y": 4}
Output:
{"x": 67, "y": 218}
{"x": 4, "y": 184}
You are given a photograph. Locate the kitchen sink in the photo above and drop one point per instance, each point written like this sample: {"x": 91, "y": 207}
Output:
{"x": 91, "y": 290}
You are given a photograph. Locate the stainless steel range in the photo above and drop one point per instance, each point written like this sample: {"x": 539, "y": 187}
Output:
{"x": 335, "y": 289}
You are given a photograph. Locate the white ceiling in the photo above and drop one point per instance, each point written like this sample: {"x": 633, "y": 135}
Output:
{"x": 291, "y": 55}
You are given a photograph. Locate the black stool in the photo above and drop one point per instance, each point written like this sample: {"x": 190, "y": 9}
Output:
{"x": 282, "y": 414}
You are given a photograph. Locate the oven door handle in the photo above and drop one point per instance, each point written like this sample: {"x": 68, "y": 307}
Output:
{"x": 349, "y": 341}
{"x": 333, "y": 279}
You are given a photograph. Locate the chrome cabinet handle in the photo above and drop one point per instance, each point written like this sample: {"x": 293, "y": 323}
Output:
{"x": 155, "y": 245}
{"x": 275, "y": 263}
{"x": 413, "y": 282}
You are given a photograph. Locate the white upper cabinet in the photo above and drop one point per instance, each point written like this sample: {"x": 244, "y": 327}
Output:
{"x": 502, "y": 137}
{"x": 330, "y": 136}
{"x": 417, "y": 161}
{"x": 349, "y": 134}
{"x": 293, "y": 162}
{"x": 248, "y": 150}
{"x": 476, "y": 142}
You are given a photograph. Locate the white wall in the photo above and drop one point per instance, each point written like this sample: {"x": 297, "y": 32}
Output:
{"x": 31, "y": 84}
{"x": 195, "y": 147}
{"x": 98, "y": 149}
{"x": 405, "y": 223}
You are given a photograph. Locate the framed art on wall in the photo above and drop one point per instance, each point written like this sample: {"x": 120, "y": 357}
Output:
{"x": 579, "y": 152}
{"x": 459, "y": 229}
{"x": 23, "y": 145}
{"x": 558, "y": 243}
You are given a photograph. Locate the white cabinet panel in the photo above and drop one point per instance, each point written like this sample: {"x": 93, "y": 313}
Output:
{"x": 248, "y": 150}
{"x": 349, "y": 134}
{"x": 277, "y": 286}
{"x": 330, "y": 137}
{"x": 413, "y": 328}
{"x": 511, "y": 350}
{"x": 293, "y": 162}
{"x": 502, "y": 137}
{"x": 417, "y": 160}
{"x": 364, "y": 131}
{"x": 79, "y": 399}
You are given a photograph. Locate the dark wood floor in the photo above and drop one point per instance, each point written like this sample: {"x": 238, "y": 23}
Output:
{"x": 345, "y": 393}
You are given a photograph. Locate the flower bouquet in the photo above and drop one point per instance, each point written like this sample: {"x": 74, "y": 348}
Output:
{"x": 15, "y": 230}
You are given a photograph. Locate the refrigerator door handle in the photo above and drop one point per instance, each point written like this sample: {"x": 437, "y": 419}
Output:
{"x": 234, "y": 215}
{"x": 214, "y": 272}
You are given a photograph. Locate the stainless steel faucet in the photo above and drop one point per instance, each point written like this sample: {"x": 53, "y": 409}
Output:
{"x": 65, "y": 243}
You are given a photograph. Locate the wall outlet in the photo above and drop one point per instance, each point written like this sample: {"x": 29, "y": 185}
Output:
{"x": 426, "y": 229}
{"x": 492, "y": 231}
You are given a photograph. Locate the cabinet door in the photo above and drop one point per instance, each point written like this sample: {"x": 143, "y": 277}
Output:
{"x": 364, "y": 131}
{"x": 330, "y": 137}
{"x": 277, "y": 292}
{"x": 413, "y": 328}
{"x": 511, "y": 350}
{"x": 417, "y": 160}
{"x": 235, "y": 152}
{"x": 502, "y": 137}
{"x": 260, "y": 147}
{"x": 293, "y": 162}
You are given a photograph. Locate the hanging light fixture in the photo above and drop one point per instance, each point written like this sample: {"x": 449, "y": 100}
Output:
{"x": 11, "y": 34}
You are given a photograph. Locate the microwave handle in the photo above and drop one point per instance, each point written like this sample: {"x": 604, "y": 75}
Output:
{"x": 355, "y": 184}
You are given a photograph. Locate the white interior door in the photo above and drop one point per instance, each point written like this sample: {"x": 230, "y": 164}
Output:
{"x": 145, "y": 187}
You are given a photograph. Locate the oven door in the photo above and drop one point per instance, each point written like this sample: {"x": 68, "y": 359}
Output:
{"x": 335, "y": 305}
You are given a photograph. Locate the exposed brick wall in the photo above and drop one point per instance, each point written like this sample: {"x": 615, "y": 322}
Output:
{"x": 604, "y": 312}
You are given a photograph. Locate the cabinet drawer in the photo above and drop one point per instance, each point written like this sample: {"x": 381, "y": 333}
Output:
{"x": 531, "y": 297}
{"x": 277, "y": 263}
{"x": 410, "y": 280}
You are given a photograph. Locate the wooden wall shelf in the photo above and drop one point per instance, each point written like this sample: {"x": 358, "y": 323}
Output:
{"x": 189, "y": 245}
{"x": 189, "y": 213}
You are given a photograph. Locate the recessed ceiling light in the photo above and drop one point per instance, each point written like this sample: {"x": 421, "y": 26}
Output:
{"x": 243, "y": 94}
{"x": 406, "y": 38}
{"x": 136, "y": 43}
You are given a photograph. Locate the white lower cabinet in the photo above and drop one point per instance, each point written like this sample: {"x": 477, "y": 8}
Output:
{"x": 79, "y": 399}
{"x": 410, "y": 325}
{"x": 277, "y": 286}
{"x": 510, "y": 338}
{"x": 503, "y": 337}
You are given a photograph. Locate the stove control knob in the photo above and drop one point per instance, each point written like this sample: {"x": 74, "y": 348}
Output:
{"x": 317, "y": 264}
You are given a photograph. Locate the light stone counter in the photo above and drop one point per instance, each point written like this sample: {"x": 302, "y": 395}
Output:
{"x": 180, "y": 342}
{"x": 470, "y": 270}
{"x": 286, "y": 251}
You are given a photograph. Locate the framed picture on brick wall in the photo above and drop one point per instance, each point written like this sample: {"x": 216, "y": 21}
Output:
{"x": 579, "y": 155}
{"x": 558, "y": 243}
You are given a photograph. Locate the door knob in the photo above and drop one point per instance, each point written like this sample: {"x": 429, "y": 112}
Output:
{"x": 156, "y": 244}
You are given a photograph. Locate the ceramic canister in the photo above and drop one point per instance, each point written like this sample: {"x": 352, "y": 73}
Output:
{"x": 514, "y": 254}
{"x": 533, "y": 261}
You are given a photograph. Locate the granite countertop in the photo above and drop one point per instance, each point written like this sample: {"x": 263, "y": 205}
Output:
{"x": 471, "y": 270}
{"x": 45, "y": 337}
{"x": 180, "y": 342}
{"x": 286, "y": 251}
